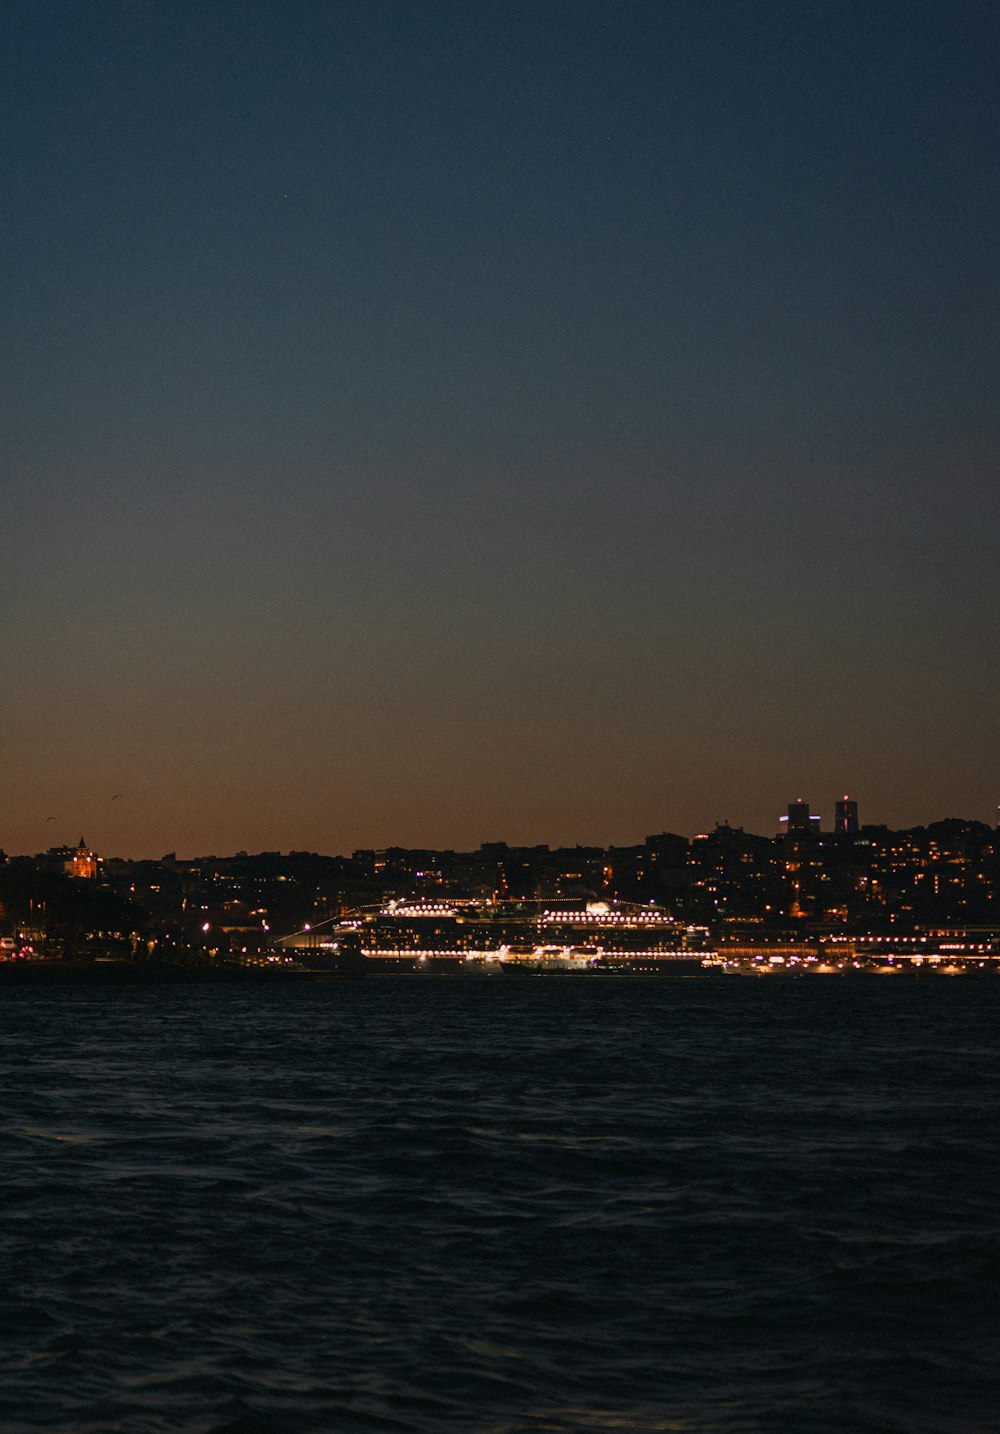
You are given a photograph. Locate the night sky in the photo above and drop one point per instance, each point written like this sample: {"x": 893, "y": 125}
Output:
{"x": 426, "y": 423}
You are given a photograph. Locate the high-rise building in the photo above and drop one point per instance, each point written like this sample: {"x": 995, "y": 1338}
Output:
{"x": 845, "y": 816}
{"x": 798, "y": 821}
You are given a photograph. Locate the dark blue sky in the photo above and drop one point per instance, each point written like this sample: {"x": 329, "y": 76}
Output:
{"x": 427, "y": 423}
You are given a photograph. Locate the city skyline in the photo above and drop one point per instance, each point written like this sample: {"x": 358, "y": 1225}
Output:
{"x": 927, "y": 891}
{"x": 846, "y": 818}
{"x": 559, "y": 422}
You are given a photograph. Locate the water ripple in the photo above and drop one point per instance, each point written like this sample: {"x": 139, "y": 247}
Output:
{"x": 555, "y": 1206}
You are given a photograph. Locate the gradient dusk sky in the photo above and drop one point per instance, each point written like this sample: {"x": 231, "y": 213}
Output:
{"x": 427, "y": 423}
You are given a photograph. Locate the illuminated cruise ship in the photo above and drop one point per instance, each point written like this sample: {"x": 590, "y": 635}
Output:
{"x": 485, "y": 936}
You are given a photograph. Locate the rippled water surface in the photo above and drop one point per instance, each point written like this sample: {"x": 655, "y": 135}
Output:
{"x": 552, "y": 1204}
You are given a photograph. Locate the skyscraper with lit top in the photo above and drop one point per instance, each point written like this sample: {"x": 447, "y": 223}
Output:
{"x": 797, "y": 821}
{"x": 845, "y": 816}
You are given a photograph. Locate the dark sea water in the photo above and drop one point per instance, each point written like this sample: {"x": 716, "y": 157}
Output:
{"x": 548, "y": 1204}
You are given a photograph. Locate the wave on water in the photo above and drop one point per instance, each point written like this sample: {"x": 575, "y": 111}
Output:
{"x": 551, "y": 1205}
